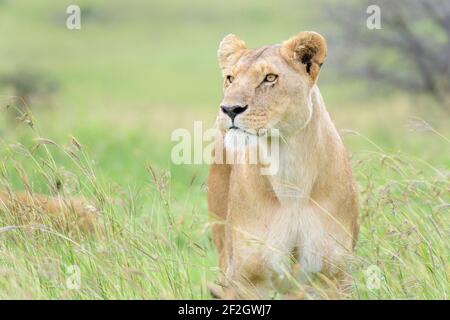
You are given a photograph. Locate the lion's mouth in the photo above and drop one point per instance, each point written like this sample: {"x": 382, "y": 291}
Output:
{"x": 252, "y": 132}
{"x": 243, "y": 130}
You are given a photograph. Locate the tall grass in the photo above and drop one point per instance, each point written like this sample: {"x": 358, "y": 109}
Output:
{"x": 159, "y": 254}
{"x": 405, "y": 225}
{"x": 153, "y": 243}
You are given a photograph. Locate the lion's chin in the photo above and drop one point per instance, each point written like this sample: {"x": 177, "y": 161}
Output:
{"x": 238, "y": 140}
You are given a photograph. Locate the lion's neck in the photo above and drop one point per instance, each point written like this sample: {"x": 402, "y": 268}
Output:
{"x": 302, "y": 155}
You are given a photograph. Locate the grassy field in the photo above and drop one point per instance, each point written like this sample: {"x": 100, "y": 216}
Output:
{"x": 125, "y": 81}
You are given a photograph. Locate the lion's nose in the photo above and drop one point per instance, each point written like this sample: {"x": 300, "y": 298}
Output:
{"x": 233, "y": 111}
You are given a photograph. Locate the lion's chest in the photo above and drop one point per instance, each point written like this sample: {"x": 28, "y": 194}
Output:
{"x": 293, "y": 181}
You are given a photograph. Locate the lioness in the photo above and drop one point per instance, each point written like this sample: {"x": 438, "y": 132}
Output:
{"x": 303, "y": 220}
{"x": 66, "y": 213}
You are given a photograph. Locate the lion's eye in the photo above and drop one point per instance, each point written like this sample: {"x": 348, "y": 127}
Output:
{"x": 230, "y": 79}
{"x": 270, "y": 77}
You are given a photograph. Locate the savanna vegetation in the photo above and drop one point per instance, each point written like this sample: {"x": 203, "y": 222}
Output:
{"x": 88, "y": 113}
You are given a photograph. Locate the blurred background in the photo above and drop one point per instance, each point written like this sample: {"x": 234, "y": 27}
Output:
{"x": 137, "y": 70}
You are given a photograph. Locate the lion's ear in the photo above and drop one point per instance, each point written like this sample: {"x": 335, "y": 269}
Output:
{"x": 230, "y": 50}
{"x": 306, "y": 51}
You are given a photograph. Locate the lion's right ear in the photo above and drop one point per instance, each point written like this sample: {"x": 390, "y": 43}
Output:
{"x": 230, "y": 50}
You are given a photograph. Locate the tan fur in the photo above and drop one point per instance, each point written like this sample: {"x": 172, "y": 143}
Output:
{"x": 69, "y": 214}
{"x": 304, "y": 219}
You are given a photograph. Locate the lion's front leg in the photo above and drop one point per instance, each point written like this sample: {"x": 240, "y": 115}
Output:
{"x": 218, "y": 188}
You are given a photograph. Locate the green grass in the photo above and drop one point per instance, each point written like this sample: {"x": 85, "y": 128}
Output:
{"x": 133, "y": 74}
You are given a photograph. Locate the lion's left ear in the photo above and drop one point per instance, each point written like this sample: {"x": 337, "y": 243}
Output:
{"x": 306, "y": 51}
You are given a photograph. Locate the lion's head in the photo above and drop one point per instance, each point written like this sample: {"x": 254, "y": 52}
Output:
{"x": 269, "y": 87}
